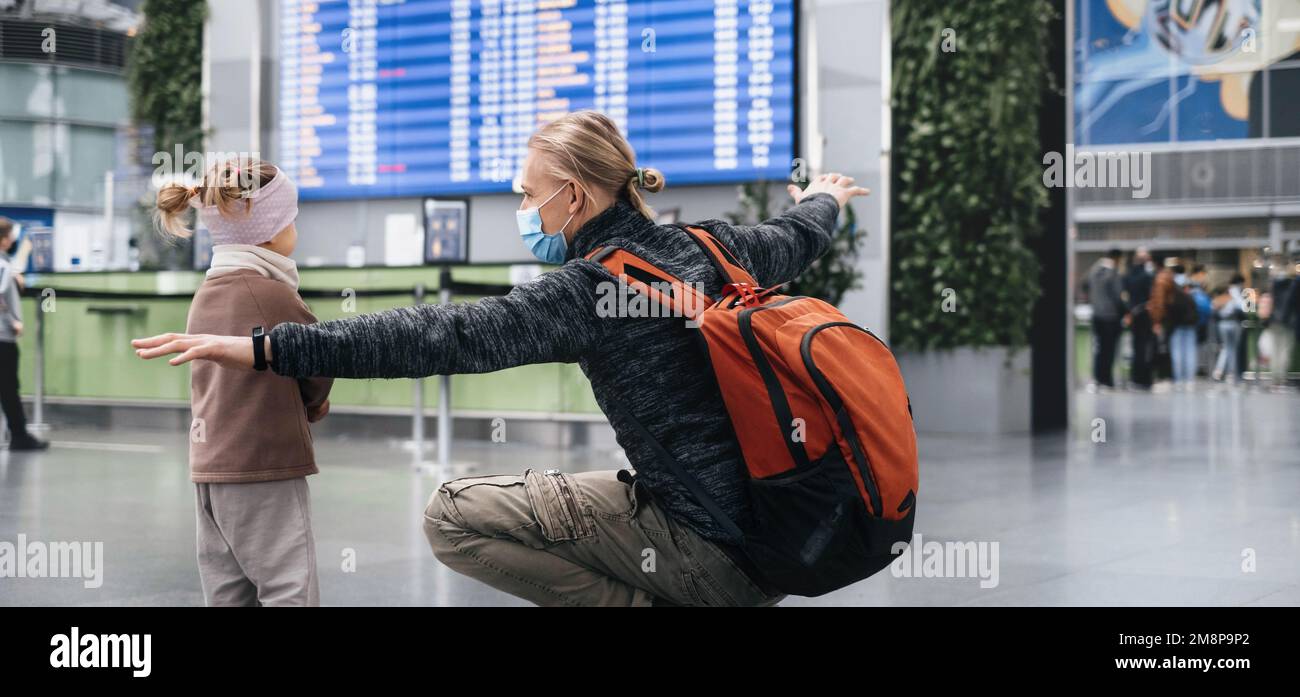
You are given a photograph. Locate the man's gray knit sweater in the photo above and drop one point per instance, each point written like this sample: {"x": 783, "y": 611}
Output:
{"x": 650, "y": 367}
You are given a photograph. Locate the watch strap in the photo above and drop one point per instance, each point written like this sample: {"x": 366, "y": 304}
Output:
{"x": 259, "y": 349}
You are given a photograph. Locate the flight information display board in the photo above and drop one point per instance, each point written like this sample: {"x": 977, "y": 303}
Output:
{"x": 437, "y": 97}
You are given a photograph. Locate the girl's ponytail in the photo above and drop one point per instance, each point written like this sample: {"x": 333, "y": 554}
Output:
{"x": 172, "y": 205}
{"x": 224, "y": 185}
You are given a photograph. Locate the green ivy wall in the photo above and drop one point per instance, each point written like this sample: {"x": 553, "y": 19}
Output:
{"x": 967, "y": 193}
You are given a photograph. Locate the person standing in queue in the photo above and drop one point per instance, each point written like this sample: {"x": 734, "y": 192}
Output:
{"x": 1182, "y": 331}
{"x": 557, "y": 538}
{"x": 1105, "y": 292}
{"x": 1229, "y": 312}
{"x": 11, "y": 327}
{"x": 1283, "y": 323}
{"x": 1137, "y": 288}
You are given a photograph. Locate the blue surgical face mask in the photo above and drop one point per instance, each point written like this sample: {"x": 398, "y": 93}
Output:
{"x": 548, "y": 247}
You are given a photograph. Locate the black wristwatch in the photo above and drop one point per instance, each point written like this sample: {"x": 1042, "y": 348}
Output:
{"x": 259, "y": 349}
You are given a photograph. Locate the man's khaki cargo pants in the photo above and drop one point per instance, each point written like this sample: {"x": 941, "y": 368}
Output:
{"x": 590, "y": 538}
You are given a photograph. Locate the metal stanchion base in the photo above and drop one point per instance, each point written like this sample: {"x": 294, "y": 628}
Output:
{"x": 431, "y": 467}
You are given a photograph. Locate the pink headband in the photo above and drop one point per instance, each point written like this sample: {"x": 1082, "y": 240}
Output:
{"x": 274, "y": 206}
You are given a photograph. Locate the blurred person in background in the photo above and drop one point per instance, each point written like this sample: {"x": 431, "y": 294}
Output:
{"x": 1137, "y": 289}
{"x": 1172, "y": 309}
{"x": 1283, "y": 322}
{"x": 1196, "y": 285}
{"x": 1162, "y": 287}
{"x": 1105, "y": 294}
{"x": 11, "y": 327}
{"x": 1181, "y": 322}
{"x": 1229, "y": 311}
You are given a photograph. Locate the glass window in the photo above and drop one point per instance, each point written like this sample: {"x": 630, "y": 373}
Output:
{"x": 1284, "y": 102}
{"x": 1216, "y": 108}
{"x": 1123, "y": 111}
{"x": 1212, "y": 56}
{"x": 85, "y": 153}
{"x": 28, "y": 90}
{"x": 26, "y": 162}
{"x": 87, "y": 95}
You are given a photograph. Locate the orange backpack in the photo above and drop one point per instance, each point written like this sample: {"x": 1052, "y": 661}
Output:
{"x": 821, "y": 414}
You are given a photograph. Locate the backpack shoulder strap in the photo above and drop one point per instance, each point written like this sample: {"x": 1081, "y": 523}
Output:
{"x": 686, "y": 478}
{"x": 643, "y": 277}
{"x": 722, "y": 259}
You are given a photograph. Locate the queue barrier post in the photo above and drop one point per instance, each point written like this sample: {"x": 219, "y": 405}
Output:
{"x": 38, "y": 405}
{"x": 417, "y": 411}
{"x": 444, "y": 384}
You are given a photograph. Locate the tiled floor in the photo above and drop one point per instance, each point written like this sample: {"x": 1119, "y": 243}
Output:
{"x": 1184, "y": 491}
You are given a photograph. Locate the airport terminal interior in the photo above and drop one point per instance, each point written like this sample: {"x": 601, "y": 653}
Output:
{"x": 1121, "y": 428}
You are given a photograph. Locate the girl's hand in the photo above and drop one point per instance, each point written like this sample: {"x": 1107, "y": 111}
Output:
{"x": 18, "y": 328}
{"x": 835, "y": 184}
{"x": 226, "y": 351}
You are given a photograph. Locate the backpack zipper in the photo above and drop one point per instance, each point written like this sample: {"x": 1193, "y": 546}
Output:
{"x": 841, "y": 414}
{"x": 775, "y": 393}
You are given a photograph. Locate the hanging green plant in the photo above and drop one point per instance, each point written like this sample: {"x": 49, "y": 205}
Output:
{"x": 835, "y": 273}
{"x": 165, "y": 86}
{"x": 165, "y": 73}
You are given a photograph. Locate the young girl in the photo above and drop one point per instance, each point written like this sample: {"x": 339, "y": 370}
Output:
{"x": 250, "y": 446}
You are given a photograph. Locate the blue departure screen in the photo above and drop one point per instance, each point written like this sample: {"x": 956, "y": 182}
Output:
{"x": 437, "y": 97}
